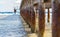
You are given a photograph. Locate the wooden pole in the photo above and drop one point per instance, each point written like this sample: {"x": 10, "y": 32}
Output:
{"x": 40, "y": 25}
{"x": 48, "y": 15}
{"x": 56, "y": 18}
{"x": 41, "y": 20}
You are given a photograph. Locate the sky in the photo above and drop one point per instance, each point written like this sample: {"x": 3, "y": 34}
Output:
{"x": 9, "y": 5}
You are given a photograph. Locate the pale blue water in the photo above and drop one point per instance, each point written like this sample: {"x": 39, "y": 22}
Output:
{"x": 11, "y": 26}
{"x": 10, "y": 13}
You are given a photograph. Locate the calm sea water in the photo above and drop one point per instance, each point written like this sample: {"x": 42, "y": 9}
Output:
{"x": 11, "y": 25}
{"x": 9, "y": 13}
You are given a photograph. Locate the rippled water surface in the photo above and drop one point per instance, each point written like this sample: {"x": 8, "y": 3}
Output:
{"x": 11, "y": 26}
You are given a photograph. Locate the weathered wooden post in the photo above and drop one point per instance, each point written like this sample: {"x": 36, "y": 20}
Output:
{"x": 48, "y": 15}
{"x": 14, "y": 10}
{"x": 36, "y": 4}
{"x": 32, "y": 19}
{"x": 37, "y": 15}
{"x": 41, "y": 21}
{"x": 41, "y": 18}
{"x": 56, "y": 18}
